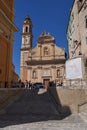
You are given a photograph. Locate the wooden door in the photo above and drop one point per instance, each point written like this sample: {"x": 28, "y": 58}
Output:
{"x": 46, "y": 83}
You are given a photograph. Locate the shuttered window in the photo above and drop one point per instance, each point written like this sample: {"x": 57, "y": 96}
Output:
{"x": 86, "y": 40}
{"x": 86, "y": 21}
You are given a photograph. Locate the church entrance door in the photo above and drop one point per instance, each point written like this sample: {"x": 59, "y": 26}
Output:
{"x": 46, "y": 82}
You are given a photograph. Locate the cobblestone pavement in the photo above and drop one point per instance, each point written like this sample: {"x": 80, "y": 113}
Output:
{"x": 34, "y": 110}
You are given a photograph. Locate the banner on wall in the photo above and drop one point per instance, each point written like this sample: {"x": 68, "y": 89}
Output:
{"x": 74, "y": 69}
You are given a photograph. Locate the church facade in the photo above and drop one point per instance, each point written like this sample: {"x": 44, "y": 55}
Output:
{"x": 45, "y": 62}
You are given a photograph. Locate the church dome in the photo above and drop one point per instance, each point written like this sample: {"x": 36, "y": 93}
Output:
{"x": 46, "y": 37}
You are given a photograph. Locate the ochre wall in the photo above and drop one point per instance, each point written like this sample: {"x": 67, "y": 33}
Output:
{"x": 7, "y": 30}
{"x": 4, "y": 60}
{"x": 73, "y": 100}
{"x": 8, "y": 4}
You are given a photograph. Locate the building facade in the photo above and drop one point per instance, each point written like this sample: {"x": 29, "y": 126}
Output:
{"x": 77, "y": 42}
{"x": 43, "y": 63}
{"x": 7, "y": 29}
{"x": 77, "y": 29}
{"x": 14, "y": 76}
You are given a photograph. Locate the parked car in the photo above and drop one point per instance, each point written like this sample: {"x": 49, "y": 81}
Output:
{"x": 13, "y": 84}
{"x": 38, "y": 85}
{"x": 20, "y": 85}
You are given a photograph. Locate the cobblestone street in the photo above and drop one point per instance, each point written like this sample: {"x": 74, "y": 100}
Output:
{"x": 34, "y": 110}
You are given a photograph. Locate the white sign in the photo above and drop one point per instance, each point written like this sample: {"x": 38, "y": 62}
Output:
{"x": 74, "y": 69}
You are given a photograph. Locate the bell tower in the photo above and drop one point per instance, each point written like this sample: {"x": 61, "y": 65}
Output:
{"x": 27, "y": 33}
{"x": 25, "y": 47}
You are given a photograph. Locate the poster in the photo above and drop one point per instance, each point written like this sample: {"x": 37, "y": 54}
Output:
{"x": 74, "y": 69}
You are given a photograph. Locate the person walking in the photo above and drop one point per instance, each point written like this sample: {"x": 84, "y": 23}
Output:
{"x": 26, "y": 84}
{"x": 29, "y": 84}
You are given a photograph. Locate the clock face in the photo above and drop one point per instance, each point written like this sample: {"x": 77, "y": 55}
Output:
{"x": 26, "y": 39}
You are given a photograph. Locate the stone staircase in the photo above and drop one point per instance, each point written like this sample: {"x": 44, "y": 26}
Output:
{"x": 34, "y": 110}
{"x": 83, "y": 115}
{"x": 32, "y": 102}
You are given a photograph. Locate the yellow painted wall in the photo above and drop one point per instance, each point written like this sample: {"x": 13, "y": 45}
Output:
{"x": 7, "y": 30}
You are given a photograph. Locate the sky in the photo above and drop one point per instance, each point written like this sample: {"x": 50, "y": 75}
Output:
{"x": 46, "y": 15}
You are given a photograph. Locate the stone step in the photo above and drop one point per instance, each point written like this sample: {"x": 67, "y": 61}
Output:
{"x": 49, "y": 125}
{"x": 83, "y": 115}
{"x": 35, "y": 110}
{"x": 33, "y": 102}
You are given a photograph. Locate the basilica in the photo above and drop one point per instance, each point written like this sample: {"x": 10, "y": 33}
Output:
{"x": 45, "y": 62}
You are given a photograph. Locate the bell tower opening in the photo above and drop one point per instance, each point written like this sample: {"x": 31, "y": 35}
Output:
{"x": 26, "y": 30}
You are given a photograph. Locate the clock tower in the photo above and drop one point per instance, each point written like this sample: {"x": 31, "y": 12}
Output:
{"x": 25, "y": 47}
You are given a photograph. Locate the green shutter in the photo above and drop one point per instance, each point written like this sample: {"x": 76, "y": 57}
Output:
{"x": 86, "y": 17}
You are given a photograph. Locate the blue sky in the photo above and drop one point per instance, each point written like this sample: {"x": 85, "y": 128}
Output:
{"x": 49, "y": 15}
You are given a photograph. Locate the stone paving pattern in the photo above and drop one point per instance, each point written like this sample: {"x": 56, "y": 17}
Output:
{"x": 34, "y": 110}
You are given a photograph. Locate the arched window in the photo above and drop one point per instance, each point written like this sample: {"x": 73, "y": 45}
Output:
{"x": 26, "y": 29}
{"x": 34, "y": 74}
{"x": 58, "y": 73}
{"x": 46, "y": 51}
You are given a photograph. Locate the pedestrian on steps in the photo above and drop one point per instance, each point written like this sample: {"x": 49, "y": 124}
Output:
{"x": 26, "y": 84}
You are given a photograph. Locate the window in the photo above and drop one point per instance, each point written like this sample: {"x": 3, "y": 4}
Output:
{"x": 46, "y": 52}
{"x": 26, "y": 29}
{"x": 34, "y": 74}
{"x": 71, "y": 17}
{"x": 0, "y": 71}
{"x": 86, "y": 40}
{"x": 58, "y": 73}
{"x": 86, "y": 21}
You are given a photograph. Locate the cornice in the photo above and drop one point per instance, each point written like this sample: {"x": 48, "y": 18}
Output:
{"x": 7, "y": 20}
{"x": 44, "y": 62}
{"x": 25, "y": 49}
{"x": 7, "y": 6}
